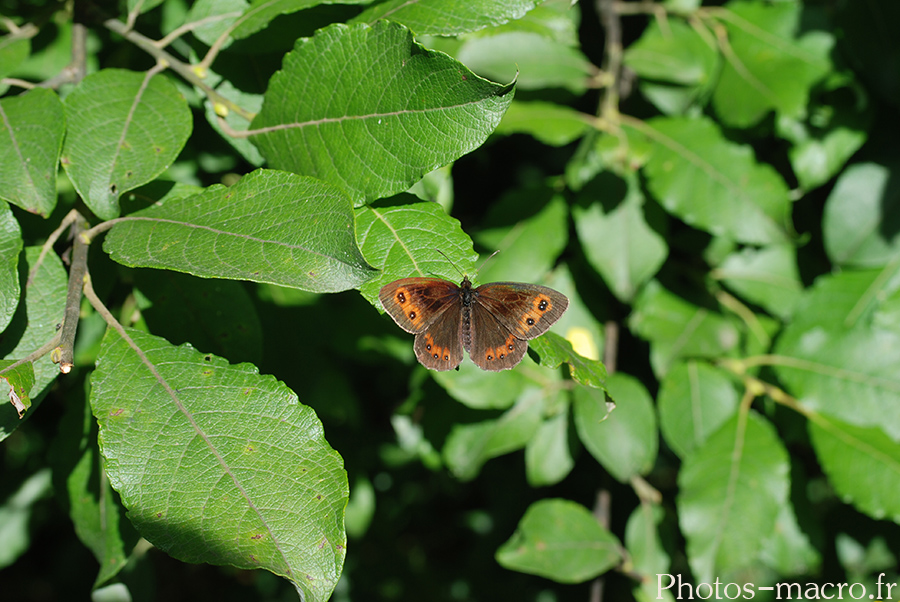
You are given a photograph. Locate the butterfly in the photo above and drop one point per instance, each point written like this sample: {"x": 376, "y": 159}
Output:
{"x": 492, "y": 322}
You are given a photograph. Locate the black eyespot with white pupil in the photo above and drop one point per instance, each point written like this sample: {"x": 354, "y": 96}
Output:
{"x": 543, "y": 305}
{"x": 530, "y": 321}
{"x": 412, "y": 315}
{"x": 401, "y": 297}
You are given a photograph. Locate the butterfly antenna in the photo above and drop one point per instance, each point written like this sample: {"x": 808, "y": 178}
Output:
{"x": 456, "y": 267}
{"x": 483, "y": 263}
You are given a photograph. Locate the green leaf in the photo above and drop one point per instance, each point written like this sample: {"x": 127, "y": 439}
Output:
{"x": 554, "y": 350}
{"x": 249, "y": 101}
{"x": 645, "y": 547}
{"x": 617, "y": 240}
{"x": 32, "y": 127}
{"x": 837, "y": 349}
{"x": 14, "y": 49}
{"x": 675, "y": 53}
{"x": 15, "y": 383}
{"x": 768, "y": 67}
{"x": 270, "y": 227}
{"x": 218, "y": 464}
{"x": 530, "y": 229}
{"x": 216, "y": 316}
{"x": 261, "y": 12}
{"x": 469, "y": 446}
{"x": 372, "y": 110}
{"x": 678, "y": 329}
{"x": 788, "y": 550}
{"x": 96, "y": 513}
{"x": 695, "y": 399}
{"x": 714, "y": 184}
{"x": 114, "y": 142}
{"x": 10, "y": 247}
{"x": 447, "y": 18}
{"x": 482, "y": 390}
{"x": 862, "y": 216}
{"x": 552, "y": 124}
{"x": 821, "y": 147}
{"x": 211, "y": 19}
{"x": 547, "y": 456}
{"x": 404, "y": 240}
{"x": 730, "y": 492}
{"x": 534, "y": 61}
{"x": 560, "y": 540}
{"x": 768, "y": 277}
{"x": 862, "y": 463}
{"x": 34, "y": 323}
{"x": 624, "y": 441}
{"x": 15, "y": 514}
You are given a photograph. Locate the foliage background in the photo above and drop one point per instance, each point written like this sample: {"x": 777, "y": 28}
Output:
{"x": 719, "y": 201}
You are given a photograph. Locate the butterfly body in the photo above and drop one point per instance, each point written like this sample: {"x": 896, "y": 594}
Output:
{"x": 491, "y": 322}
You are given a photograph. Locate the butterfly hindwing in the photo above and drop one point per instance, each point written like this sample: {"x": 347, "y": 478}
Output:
{"x": 493, "y": 345}
{"x": 440, "y": 346}
{"x": 415, "y": 303}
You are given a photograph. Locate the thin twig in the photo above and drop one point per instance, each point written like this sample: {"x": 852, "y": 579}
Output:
{"x": 186, "y": 71}
{"x": 65, "y": 351}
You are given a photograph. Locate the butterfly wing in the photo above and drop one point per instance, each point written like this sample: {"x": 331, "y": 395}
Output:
{"x": 431, "y": 309}
{"x": 440, "y": 346}
{"x": 416, "y": 303}
{"x": 527, "y": 310}
{"x": 494, "y": 346}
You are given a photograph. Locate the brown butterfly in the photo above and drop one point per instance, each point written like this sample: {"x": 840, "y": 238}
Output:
{"x": 491, "y": 322}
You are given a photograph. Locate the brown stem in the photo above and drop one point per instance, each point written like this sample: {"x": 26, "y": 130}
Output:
{"x": 65, "y": 351}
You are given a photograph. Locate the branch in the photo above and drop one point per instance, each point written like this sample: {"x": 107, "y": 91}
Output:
{"x": 65, "y": 351}
{"x": 186, "y": 71}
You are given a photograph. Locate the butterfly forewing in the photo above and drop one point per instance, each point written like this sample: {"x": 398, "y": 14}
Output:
{"x": 416, "y": 303}
{"x": 528, "y": 310}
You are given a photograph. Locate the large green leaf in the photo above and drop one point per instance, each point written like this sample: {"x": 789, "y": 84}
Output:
{"x": 863, "y": 464}
{"x": 469, "y": 446}
{"x": 35, "y": 322}
{"x": 625, "y": 440}
{"x": 534, "y": 60}
{"x": 679, "y": 329}
{"x": 673, "y": 52}
{"x": 114, "y": 142}
{"x": 730, "y": 492}
{"x": 371, "y": 110}
{"x": 547, "y": 456}
{"x": 271, "y": 227}
{"x": 260, "y": 12}
{"x": 768, "y": 276}
{"x": 552, "y": 124}
{"x": 32, "y": 127}
{"x": 862, "y": 216}
{"x": 219, "y": 464}
{"x": 714, "y": 184}
{"x": 561, "y": 540}
{"x": 530, "y": 229}
{"x": 768, "y": 66}
{"x": 695, "y": 399}
{"x": 447, "y": 17}
{"x": 839, "y": 355}
{"x": 10, "y": 247}
{"x": 617, "y": 240}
